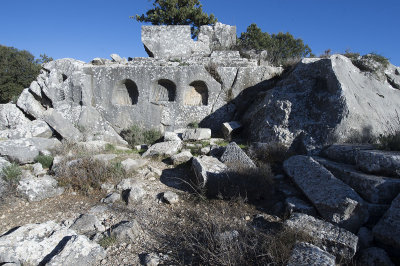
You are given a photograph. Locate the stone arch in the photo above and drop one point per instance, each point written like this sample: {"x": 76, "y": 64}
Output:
{"x": 125, "y": 93}
{"x": 163, "y": 91}
{"x": 197, "y": 94}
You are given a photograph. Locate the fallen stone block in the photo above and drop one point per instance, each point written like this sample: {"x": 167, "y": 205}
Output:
{"x": 87, "y": 224}
{"x": 379, "y": 162}
{"x": 236, "y": 158}
{"x": 167, "y": 148}
{"x": 330, "y": 238}
{"x": 228, "y": 128}
{"x": 375, "y": 189}
{"x": 63, "y": 127}
{"x": 127, "y": 231}
{"x": 38, "y": 188}
{"x": 181, "y": 158}
{"x": 305, "y": 254}
{"x": 208, "y": 170}
{"x": 196, "y": 134}
{"x": 387, "y": 230}
{"x": 334, "y": 200}
{"x": 344, "y": 153}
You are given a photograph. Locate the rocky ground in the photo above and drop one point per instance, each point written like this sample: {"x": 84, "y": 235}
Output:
{"x": 166, "y": 206}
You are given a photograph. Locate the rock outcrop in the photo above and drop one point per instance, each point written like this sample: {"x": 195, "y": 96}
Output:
{"x": 331, "y": 100}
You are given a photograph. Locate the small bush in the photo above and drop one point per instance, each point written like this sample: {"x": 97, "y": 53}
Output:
{"x": 378, "y": 58}
{"x": 137, "y": 135}
{"x": 87, "y": 174}
{"x": 12, "y": 173}
{"x": 109, "y": 147}
{"x": 209, "y": 238}
{"x": 251, "y": 184}
{"x": 193, "y": 125}
{"x": 45, "y": 160}
{"x": 107, "y": 241}
{"x": 351, "y": 55}
{"x": 389, "y": 142}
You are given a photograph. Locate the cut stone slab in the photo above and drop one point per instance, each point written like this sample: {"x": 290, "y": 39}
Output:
{"x": 379, "y": 162}
{"x": 229, "y": 127}
{"x": 334, "y": 200}
{"x": 167, "y": 148}
{"x": 39, "y": 244}
{"x": 330, "y": 238}
{"x": 387, "y": 230}
{"x": 196, "y": 134}
{"x": 39, "y": 188}
{"x": 24, "y": 151}
{"x": 374, "y": 189}
{"x": 133, "y": 164}
{"x": 63, "y": 126}
{"x": 235, "y": 157}
{"x": 127, "y": 231}
{"x": 344, "y": 153}
{"x": 181, "y": 158}
{"x": 305, "y": 254}
{"x": 87, "y": 223}
{"x": 208, "y": 170}
{"x": 374, "y": 256}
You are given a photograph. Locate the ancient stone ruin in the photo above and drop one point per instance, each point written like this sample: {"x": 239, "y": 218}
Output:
{"x": 310, "y": 121}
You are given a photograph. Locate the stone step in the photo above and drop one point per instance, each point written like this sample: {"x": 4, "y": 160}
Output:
{"x": 336, "y": 201}
{"x": 379, "y": 162}
{"x": 344, "y": 153}
{"x": 375, "y": 189}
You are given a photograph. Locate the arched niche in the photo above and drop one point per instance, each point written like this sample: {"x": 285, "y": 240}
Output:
{"x": 163, "y": 91}
{"x": 196, "y": 94}
{"x": 125, "y": 93}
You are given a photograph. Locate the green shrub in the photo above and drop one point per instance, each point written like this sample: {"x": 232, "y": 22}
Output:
{"x": 45, "y": 160}
{"x": 193, "y": 125}
{"x": 12, "y": 173}
{"x": 109, "y": 147}
{"x": 137, "y": 135}
{"x": 87, "y": 174}
{"x": 378, "y": 58}
{"x": 351, "y": 55}
{"x": 107, "y": 241}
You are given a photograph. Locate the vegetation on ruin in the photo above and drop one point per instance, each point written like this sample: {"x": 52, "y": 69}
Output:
{"x": 12, "y": 173}
{"x": 280, "y": 46}
{"x": 177, "y": 12}
{"x": 45, "y": 160}
{"x": 137, "y": 135}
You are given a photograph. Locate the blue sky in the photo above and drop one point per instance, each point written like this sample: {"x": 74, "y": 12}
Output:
{"x": 84, "y": 29}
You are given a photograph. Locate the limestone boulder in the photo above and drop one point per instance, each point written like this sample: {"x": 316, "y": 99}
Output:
{"x": 308, "y": 254}
{"x": 48, "y": 243}
{"x": 236, "y": 158}
{"x": 87, "y": 224}
{"x": 127, "y": 231}
{"x": 387, "y": 230}
{"x": 25, "y": 150}
{"x": 63, "y": 127}
{"x": 329, "y": 99}
{"x": 167, "y": 148}
{"x": 181, "y": 158}
{"x": 337, "y": 202}
{"x": 208, "y": 170}
{"x": 133, "y": 164}
{"x": 229, "y": 127}
{"x": 196, "y": 134}
{"x": 331, "y": 238}
{"x": 38, "y": 188}
{"x": 11, "y": 116}
{"x": 28, "y": 103}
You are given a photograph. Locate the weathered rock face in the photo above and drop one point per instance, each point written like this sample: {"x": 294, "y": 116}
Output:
{"x": 307, "y": 254}
{"x": 335, "y": 201}
{"x": 329, "y": 99}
